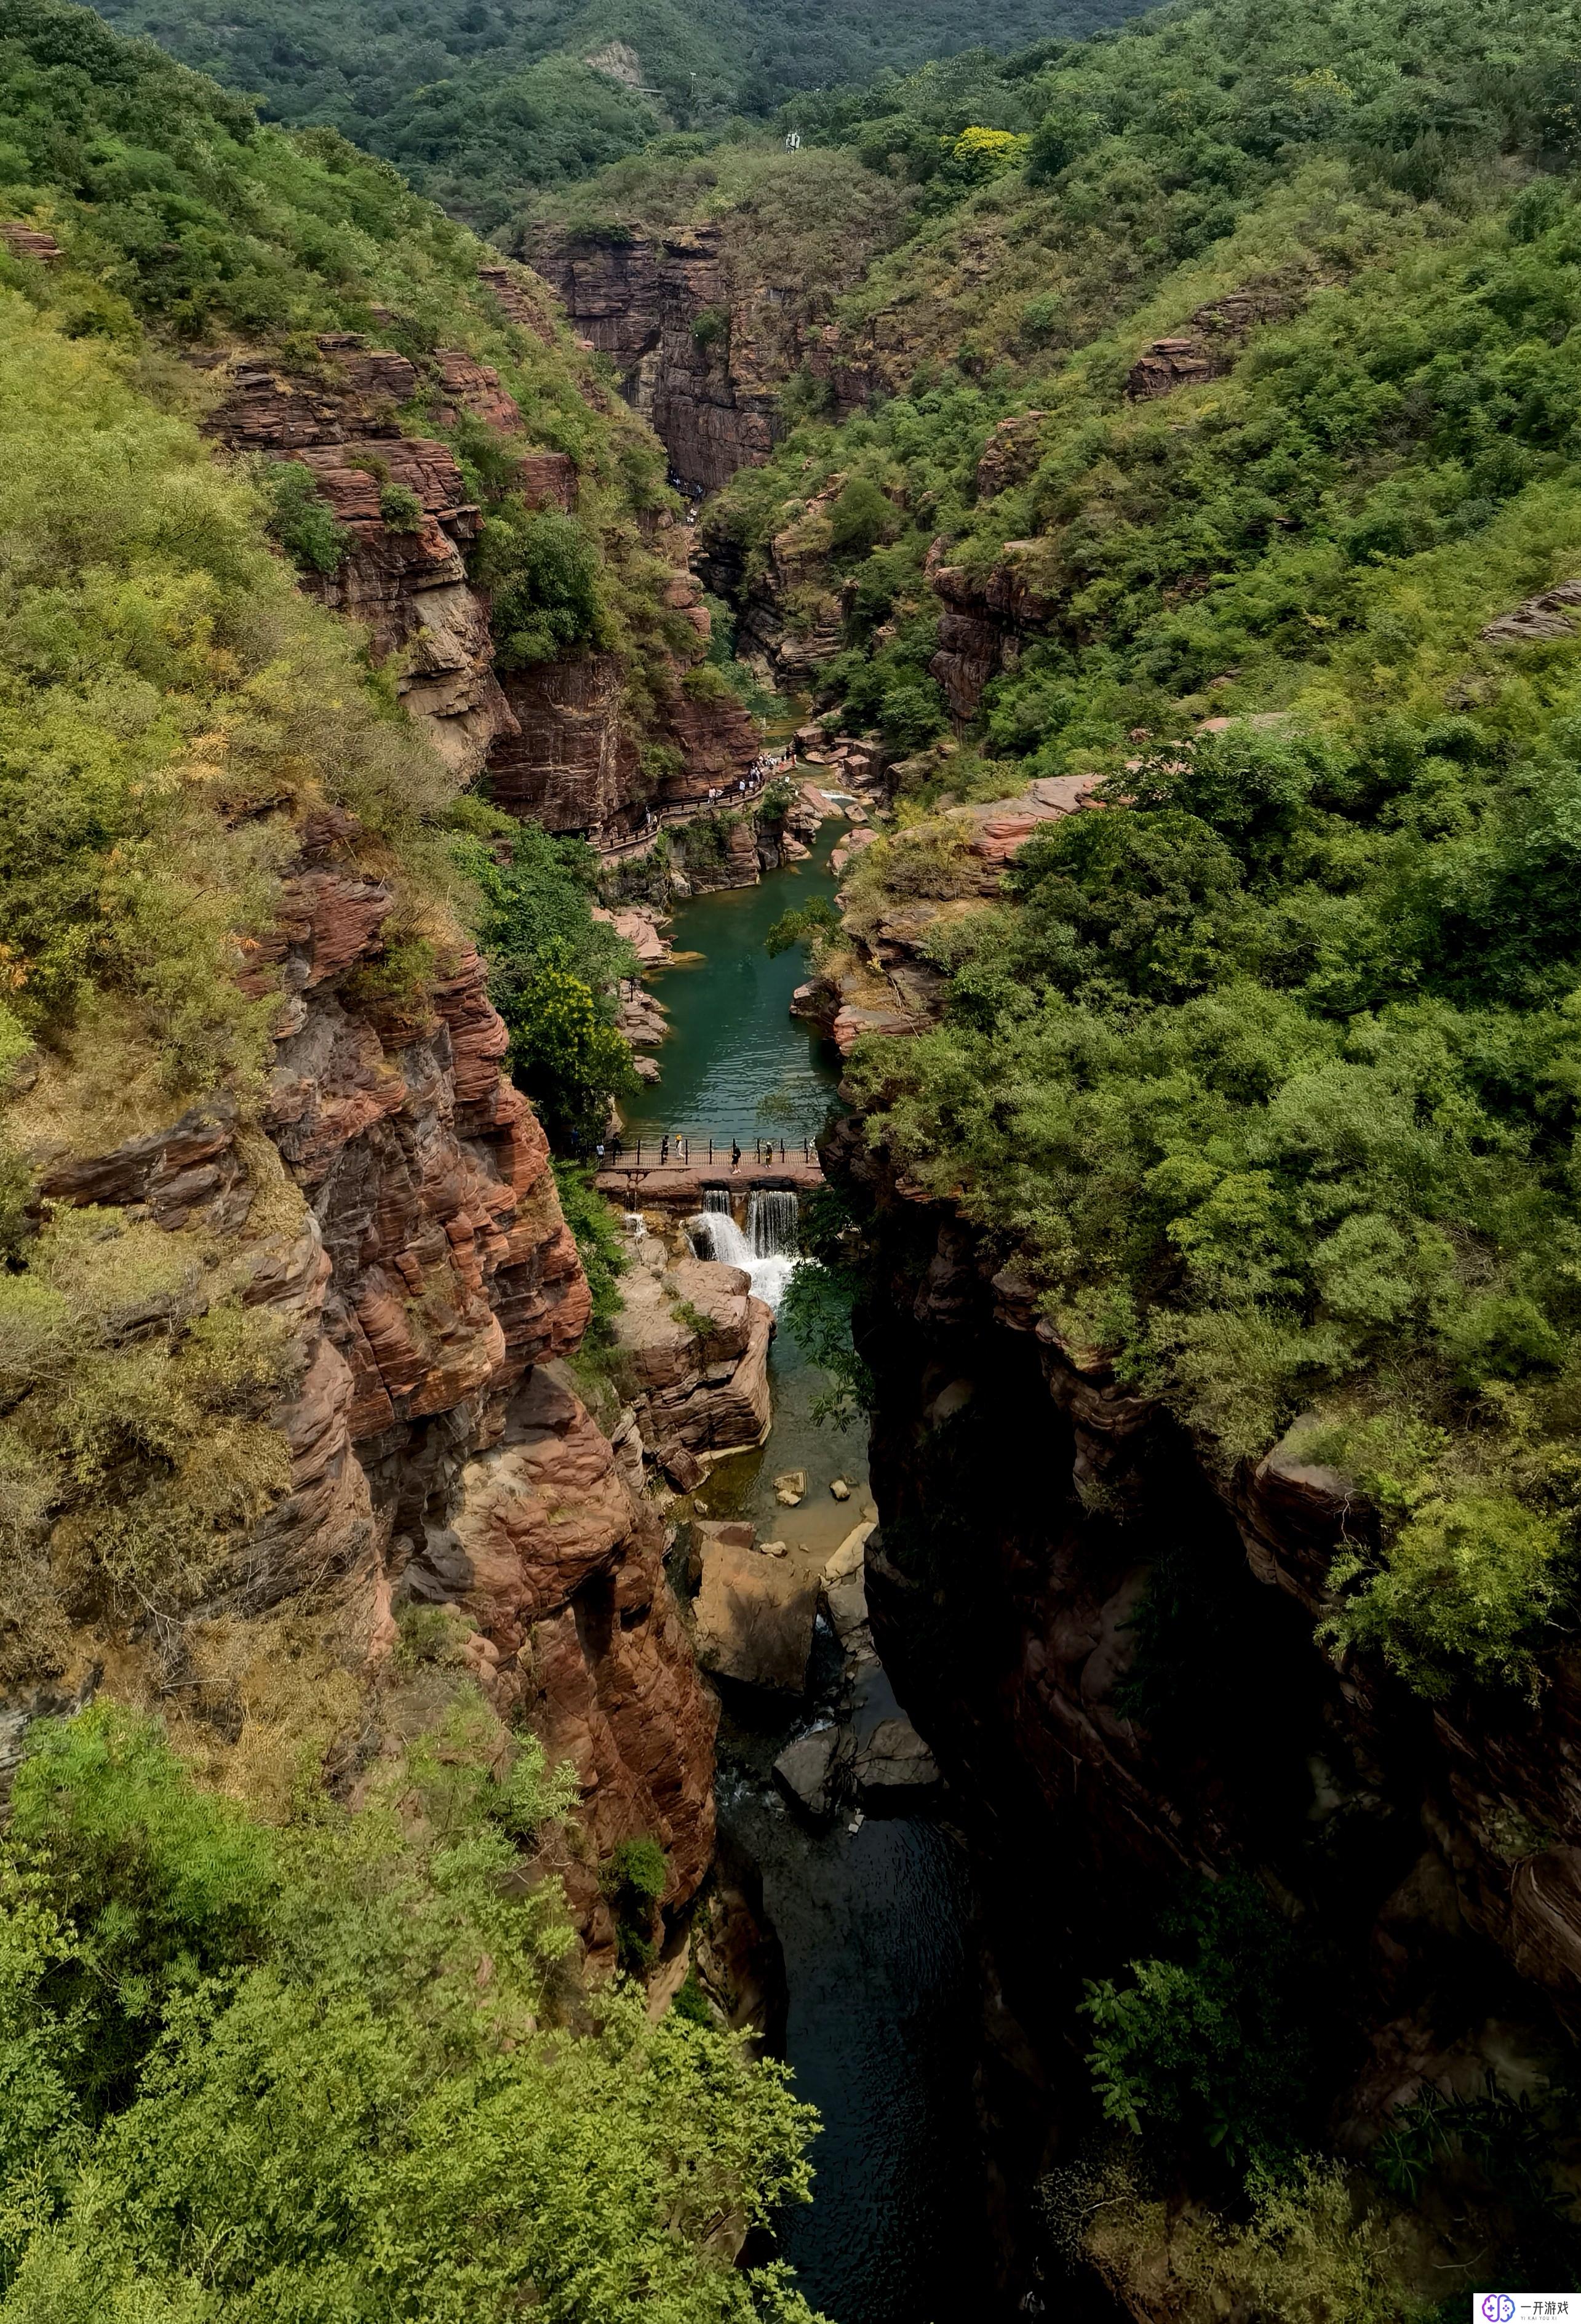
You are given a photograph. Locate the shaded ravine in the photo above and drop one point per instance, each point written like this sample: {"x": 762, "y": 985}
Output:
{"x": 874, "y": 1915}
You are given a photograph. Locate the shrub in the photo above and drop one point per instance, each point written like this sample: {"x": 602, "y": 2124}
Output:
{"x": 1466, "y": 1587}
{"x": 304, "y": 524}
{"x": 134, "y": 1393}
{"x": 816, "y": 924}
{"x": 541, "y": 569}
{"x": 633, "y": 1880}
{"x": 1310, "y": 2253}
{"x": 570, "y": 1062}
{"x": 980, "y": 155}
{"x": 598, "y": 1242}
{"x": 312, "y": 2060}
{"x": 1213, "y": 2040}
{"x": 400, "y": 508}
{"x": 859, "y": 518}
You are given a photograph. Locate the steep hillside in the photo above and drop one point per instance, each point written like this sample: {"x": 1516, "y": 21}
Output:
{"x": 1209, "y": 579}
{"x": 477, "y": 104}
{"x": 388, "y": 1744}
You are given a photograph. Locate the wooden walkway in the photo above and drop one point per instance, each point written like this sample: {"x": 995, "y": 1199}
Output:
{"x": 683, "y": 1183}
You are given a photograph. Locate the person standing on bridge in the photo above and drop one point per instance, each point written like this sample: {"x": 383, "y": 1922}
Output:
{"x": 663, "y": 1150}
{"x": 735, "y": 1153}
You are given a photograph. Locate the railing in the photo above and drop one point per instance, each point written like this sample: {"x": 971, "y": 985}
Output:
{"x": 680, "y": 811}
{"x": 686, "y": 1153}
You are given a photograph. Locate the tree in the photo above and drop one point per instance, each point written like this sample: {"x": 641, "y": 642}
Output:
{"x": 341, "y": 2091}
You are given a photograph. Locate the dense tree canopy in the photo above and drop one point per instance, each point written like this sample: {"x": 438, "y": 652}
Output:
{"x": 477, "y": 104}
{"x": 1264, "y": 1067}
{"x": 317, "y": 2071}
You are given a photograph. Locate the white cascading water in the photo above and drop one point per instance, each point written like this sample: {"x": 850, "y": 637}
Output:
{"x": 766, "y": 1251}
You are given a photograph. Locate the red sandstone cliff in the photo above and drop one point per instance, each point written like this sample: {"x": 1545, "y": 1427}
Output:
{"x": 401, "y": 1214}
{"x": 556, "y": 738}
{"x": 1429, "y": 1853}
{"x": 704, "y": 335}
{"x": 408, "y": 583}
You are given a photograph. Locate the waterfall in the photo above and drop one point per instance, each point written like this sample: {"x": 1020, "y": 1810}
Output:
{"x": 715, "y": 1235}
{"x": 771, "y": 1222}
{"x": 766, "y": 1251}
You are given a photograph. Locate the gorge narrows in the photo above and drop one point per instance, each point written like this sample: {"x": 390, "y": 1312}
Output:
{"x": 872, "y": 1912}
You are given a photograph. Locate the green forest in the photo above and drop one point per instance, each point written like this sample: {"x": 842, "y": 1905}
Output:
{"x": 1267, "y": 1079}
{"x": 271, "y": 2050}
{"x": 477, "y": 104}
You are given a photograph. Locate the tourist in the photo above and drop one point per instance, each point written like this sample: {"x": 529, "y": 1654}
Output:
{"x": 735, "y": 1153}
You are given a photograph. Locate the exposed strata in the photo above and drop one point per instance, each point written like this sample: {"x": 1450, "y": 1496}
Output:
{"x": 438, "y": 1452}
{"x": 407, "y": 581}
{"x": 982, "y": 623}
{"x": 706, "y": 397}
{"x": 696, "y": 1347}
{"x": 572, "y": 763}
{"x": 555, "y": 736}
{"x": 702, "y": 345}
{"x": 1209, "y": 344}
{"x": 708, "y": 393}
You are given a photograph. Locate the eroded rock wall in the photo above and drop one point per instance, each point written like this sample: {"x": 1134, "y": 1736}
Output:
{"x": 661, "y": 310}
{"x": 1430, "y": 1854}
{"x": 702, "y": 341}
{"x": 406, "y": 580}
{"x": 398, "y": 1206}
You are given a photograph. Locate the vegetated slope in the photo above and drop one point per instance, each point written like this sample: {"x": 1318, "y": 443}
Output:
{"x": 475, "y": 103}
{"x": 1214, "y": 1228}
{"x": 1263, "y": 1074}
{"x": 278, "y": 1240}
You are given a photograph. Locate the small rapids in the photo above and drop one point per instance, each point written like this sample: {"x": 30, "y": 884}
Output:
{"x": 768, "y": 1249}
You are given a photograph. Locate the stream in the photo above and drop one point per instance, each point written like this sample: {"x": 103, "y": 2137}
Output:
{"x": 873, "y": 1915}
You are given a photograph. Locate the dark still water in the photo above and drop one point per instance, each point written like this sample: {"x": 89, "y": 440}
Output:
{"x": 882, "y": 2022}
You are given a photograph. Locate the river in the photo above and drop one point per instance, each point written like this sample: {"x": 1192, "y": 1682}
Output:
{"x": 873, "y": 1921}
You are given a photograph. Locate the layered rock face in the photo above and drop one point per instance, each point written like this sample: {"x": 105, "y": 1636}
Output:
{"x": 701, "y": 345}
{"x": 572, "y": 764}
{"x": 662, "y": 311}
{"x": 401, "y": 1212}
{"x": 1431, "y": 1854}
{"x": 696, "y": 1343}
{"x": 568, "y": 764}
{"x": 639, "y": 301}
{"x": 406, "y": 580}
{"x": 981, "y": 625}
{"x": 554, "y": 735}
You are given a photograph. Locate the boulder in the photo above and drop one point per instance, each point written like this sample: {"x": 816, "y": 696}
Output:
{"x": 791, "y": 1489}
{"x": 755, "y": 1615}
{"x": 841, "y": 1490}
{"x": 697, "y": 1342}
{"x": 808, "y": 1771}
{"x": 893, "y": 1768}
{"x": 845, "y": 1589}
{"x": 1537, "y": 621}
